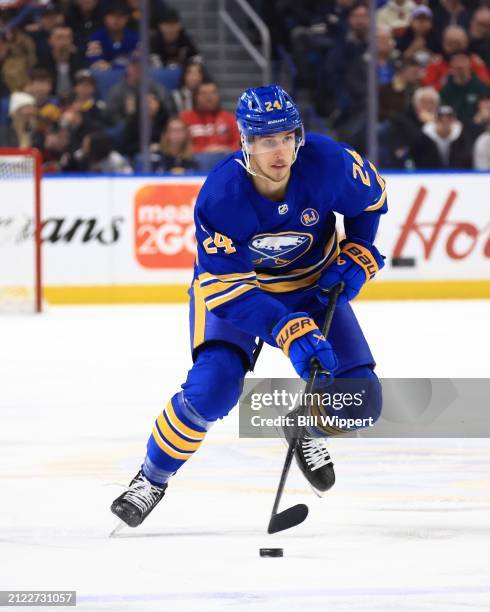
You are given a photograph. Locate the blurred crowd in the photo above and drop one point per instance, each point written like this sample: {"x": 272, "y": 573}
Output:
{"x": 433, "y": 60}
{"x": 70, "y": 73}
{"x": 69, "y": 85}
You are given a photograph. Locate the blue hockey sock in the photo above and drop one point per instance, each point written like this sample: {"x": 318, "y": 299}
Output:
{"x": 177, "y": 434}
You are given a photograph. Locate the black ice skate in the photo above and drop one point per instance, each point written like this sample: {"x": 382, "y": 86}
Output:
{"x": 313, "y": 459}
{"x": 139, "y": 499}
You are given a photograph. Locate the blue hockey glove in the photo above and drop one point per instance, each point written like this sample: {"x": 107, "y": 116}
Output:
{"x": 357, "y": 263}
{"x": 301, "y": 340}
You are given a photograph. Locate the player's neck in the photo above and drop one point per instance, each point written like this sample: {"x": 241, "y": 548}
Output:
{"x": 270, "y": 189}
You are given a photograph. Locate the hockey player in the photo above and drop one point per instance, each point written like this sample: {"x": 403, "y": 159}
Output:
{"x": 266, "y": 248}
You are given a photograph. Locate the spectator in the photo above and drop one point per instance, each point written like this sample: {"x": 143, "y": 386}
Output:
{"x": 4, "y": 49}
{"x": 111, "y": 46}
{"x": 318, "y": 26}
{"x": 174, "y": 153}
{"x": 47, "y": 106}
{"x": 406, "y": 135}
{"x": 481, "y": 150}
{"x": 481, "y": 119}
{"x": 63, "y": 61}
{"x": 345, "y": 62}
{"x": 17, "y": 56}
{"x": 134, "y": 14}
{"x": 352, "y": 124}
{"x": 84, "y": 17}
{"x": 124, "y": 94}
{"x": 156, "y": 8}
{"x": 480, "y": 34}
{"x": 451, "y": 145}
{"x": 395, "y": 14}
{"x": 336, "y": 18}
{"x": 463, "y": 89}
{"x": 50, "y": 17}
{"x": 454, "y": 39}
{"x": 419, "y": 42}
{"x": 212, "y": 130}
{"x": 192, "y": 77}
{"x": 96, "y": 155}
{"x": 22, "y": 112}
{"x": 85, "y": 114}
{"x": 171, "y": 45}
{"x": 395, "y": 97}
{"x": 55, "y": 146}
{"x": 387, "y": 55}
{"x": 450, "y": 13}
{"x": 131, "y": 130}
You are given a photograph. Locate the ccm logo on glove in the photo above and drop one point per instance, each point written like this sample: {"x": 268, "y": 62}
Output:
{"x": 295, "y": 329}
{"x": 362, "y": 256}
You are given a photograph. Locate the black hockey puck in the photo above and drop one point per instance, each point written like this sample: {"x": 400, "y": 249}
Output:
{"x": 271, "y": 552}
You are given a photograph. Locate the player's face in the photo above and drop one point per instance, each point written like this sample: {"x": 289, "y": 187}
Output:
{"x": 272, "y": 156}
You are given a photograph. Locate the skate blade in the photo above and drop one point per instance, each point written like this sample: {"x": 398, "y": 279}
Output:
{"x": 120, "y": 525}
{"x": 318, "y": 493}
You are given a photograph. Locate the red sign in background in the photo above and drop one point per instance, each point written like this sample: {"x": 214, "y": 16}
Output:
{"x": 164, "y": 225}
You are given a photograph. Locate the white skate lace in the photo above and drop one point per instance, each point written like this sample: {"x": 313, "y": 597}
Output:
{"x": 143, "y": 494}
{"x": 315, "y": 452}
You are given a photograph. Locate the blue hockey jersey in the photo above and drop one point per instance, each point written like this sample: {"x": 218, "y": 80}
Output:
{"x": 101, "y": 47}
{"x": 252, "y": 252}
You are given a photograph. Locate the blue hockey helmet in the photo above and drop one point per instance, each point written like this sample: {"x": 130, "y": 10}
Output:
{"x": 267, "y": 110}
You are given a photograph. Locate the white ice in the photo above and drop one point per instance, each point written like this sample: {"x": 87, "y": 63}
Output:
{"x": 406, "y": 527}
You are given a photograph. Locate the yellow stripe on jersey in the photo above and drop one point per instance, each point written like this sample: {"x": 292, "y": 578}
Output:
{"x": 218, "y": 287}
{"x": 293, "y": 285}
{"x": 166, "y": 448}
{"x": 377, "y": 204}
{"x": 182, "y": 427}
{"x": 381, "y": 181}
{"x": 169, "y": 434}
{"x": 229, "y": 295}
{"x": 205, "y": 277}
{"x": 382, "y": 184}
{"x": 199, "y": 315}
{"x": 212, "y": 284}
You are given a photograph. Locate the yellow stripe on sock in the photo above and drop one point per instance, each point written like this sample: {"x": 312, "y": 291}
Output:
{"x": 175, "y": 439}
{"x": 168, "y": 449}
{"x": 182, "y": 427}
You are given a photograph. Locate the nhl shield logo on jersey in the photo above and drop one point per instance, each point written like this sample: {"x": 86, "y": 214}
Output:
{"x": 281, "y": 249}
{"x": 309, "y": 217}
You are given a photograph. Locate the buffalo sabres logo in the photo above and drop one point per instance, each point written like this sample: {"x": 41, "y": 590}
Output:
{"x": 281, "y": 249}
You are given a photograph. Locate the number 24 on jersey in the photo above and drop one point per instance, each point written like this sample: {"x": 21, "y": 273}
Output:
{"x": 219, "y": 241}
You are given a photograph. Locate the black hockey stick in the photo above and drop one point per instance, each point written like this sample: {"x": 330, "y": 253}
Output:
{"x": 295, "y": 515}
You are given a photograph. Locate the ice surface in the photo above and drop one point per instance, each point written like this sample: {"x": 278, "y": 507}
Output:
{"x": 406, "y": 528}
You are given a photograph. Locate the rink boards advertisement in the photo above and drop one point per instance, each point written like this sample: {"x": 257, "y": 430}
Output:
{"x": 131, "y": 239}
